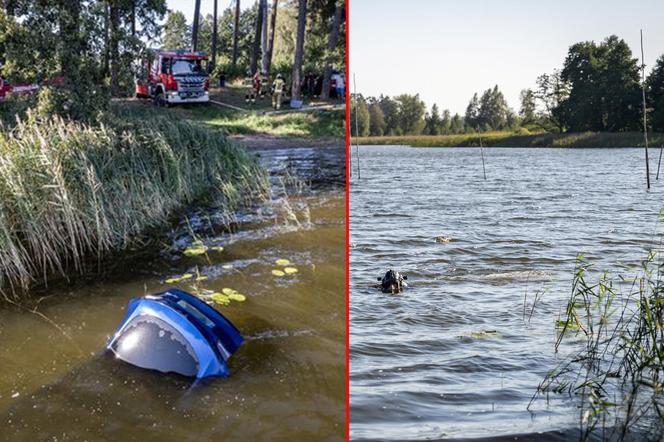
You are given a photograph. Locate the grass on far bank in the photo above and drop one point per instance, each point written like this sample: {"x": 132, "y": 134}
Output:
{"x": 512, "y": 139}
{"x": 70, "y": 191}
{"x": 314, "y": 124}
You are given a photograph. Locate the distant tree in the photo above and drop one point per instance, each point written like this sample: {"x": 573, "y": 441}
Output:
{"x": 528, "y": 110}
{"x": 493, "y": 110}
{"x": 176, "y": 31}
{"x": 446, "y": 122}
{"x": 358, "y": 105}
{"x": 473, "y": 111}
{"x": 457, "y": 124}
{"x": 432, "y": 121}
{"x": 655, "y": 95}
{"x": 604, "y": 87}
{"x": 411, "y": 113}
{"x": 551, "y": 92}
{"x": 391, "y": 112}
{"x": 376, "y": 120}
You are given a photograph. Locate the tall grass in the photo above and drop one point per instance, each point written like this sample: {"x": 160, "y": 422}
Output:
{"x": 517, "y": 139}
{"x": 617, "y": 374}
{"x": 70, "y": 191}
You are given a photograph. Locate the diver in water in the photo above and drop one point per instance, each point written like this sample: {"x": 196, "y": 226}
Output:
{"x": 393, "y": 282}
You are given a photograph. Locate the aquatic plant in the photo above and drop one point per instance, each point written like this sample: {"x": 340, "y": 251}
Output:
{"x": 70, "y": 191}
{"x": 618, "y": 372}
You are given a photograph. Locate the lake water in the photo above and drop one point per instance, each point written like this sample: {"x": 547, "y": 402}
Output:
{"x": 422, "y": 363}
{"x": 287, "y": 381}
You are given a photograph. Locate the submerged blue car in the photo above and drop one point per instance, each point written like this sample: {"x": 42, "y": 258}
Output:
{"x": 175, "y": 332}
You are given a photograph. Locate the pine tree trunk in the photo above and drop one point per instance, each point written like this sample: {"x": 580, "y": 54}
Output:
{"x": 332, "y": 41}
{"x": 133, "y": 18}
{"x": 264, "y": 48}
{"x": 270, "y": 42}
{"x": 107, "y": 42}
{"x": 214, "y": 37}
{"x": 194, "y": 30}
{"x": 114, "y": 21}
{"x": 257, "y": 39}
{"x": 236, "y": 31}
{"x": 299, "y": 49}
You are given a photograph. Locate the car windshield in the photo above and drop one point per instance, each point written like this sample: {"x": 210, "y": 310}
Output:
{"x": 149, "y": 342}
{"x": 184, "y": 66}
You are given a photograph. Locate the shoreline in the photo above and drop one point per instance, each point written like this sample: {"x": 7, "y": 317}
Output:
{"x": 511, "y": 139}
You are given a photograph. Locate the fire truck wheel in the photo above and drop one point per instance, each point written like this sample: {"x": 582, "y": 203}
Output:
{"x": 159, "y": 100}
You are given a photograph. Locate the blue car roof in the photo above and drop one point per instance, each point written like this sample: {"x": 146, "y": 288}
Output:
{"x": 201, "y": 338}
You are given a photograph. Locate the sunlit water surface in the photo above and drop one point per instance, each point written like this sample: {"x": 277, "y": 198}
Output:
{"x": 422, "y": 363}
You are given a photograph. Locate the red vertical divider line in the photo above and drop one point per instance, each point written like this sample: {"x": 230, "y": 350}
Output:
{"x": 348, "y": 164}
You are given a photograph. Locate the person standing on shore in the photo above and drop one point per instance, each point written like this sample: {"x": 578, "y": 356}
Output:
{"x": 277, "y": 91}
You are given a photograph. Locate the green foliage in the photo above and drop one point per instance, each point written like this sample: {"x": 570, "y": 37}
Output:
{"x": 616, "y": 363}
{"x": 411, "y": 113}
{"x": 655, "y": 95}
{"x": 359, "y": 116}
{"x": 377, "y": 123}
{"x": 177, "y": 33}
{"x": 604, "y": 87}
{"x": 528, "y": 111}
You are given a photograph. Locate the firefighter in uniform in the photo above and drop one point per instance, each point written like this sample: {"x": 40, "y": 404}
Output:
{"x": 250, "y": 95}
{"x": 257, "y": 84}
{"x": 277, "y": 91}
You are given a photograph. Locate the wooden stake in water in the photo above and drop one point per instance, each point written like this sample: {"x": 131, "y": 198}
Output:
{"x": 481, "y": 153}
{"x": 660, "y": 161}
{"x": 357, "y": 132}
{"x": 645, "y": 127}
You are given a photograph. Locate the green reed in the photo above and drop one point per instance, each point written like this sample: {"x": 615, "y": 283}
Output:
{"x": 70, "y": 191}
{"x": 617, "y": 374}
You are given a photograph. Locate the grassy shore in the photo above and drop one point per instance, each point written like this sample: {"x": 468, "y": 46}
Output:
{"x": 70, "y": 191}
{"x": 511, "y": 139}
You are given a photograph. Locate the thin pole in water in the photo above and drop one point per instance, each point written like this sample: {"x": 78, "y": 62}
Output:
{"x": 660, "y": 161}
{"x": 357, "y": 132}
{"x": 481, "y": 152}
{"x": 645, "y": 127}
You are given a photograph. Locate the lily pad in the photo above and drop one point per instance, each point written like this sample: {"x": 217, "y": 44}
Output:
{"x": 277, "y": 272}
{"x": 186, "y": 276}
{"x": 217, "y": 248}
{"x": 220, "y": 298}
{"x": 282, "y": 262}
{"x": 237, "y": 297}
{"x": 290, "y": 270}
{"x": 172, "y": 280}
{"x": 201, "y": 278}
{"x": 226, "y": 291}
{"x": 195, "y": 249}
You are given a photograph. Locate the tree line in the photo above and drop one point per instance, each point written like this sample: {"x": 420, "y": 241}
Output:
{"x": 95, "y": 44}
{"x": 265, "y": 39}
{"x": 597, "y": 89}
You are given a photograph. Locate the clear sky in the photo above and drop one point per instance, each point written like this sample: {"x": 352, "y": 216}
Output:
{"x": 446, "y": 50}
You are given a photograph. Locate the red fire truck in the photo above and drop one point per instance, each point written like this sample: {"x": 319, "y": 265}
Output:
{"x": 174, "y": 76}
